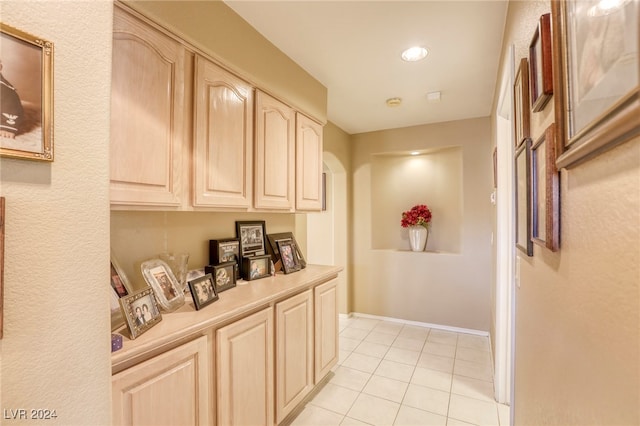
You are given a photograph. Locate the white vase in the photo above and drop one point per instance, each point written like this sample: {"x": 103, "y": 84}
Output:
{"x": 418, "y": 237}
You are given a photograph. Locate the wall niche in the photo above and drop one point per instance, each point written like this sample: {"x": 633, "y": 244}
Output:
{"x": 401, "y": 180}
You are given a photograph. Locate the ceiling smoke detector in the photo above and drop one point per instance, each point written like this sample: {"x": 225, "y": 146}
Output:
{"x": 394, "y": 102}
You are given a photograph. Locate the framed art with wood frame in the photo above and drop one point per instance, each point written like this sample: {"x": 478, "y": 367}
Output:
{"x": 596, "y": 77}
{"x": 540, "y": 67}
{"x": 203, "y": 291}
{"x": 523, "y": 198}
{"x": 545, "y": 192}
{"x": 521, "y": 103}
{"x": 26, "y": 72}
{"x": 1, "y": 264}
{"x": 141, "y": 311}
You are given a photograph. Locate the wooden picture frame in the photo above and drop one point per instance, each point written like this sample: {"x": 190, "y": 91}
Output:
{"x": 596, "y": 97}
{"x": 26, "y": 124}
{"x": 252, "y": 236}
{"x": 225, "y": 250}
{"x": 256, "y": 267}
{"x": 224, "y": 275}
{"x": 545, "y": 192}
{"x": 165, "y": 286}
{"x": 540, "y": 65}
{"x": 275, "y": 253}
{"x": 289, "y": 256}
{"x": 521, "y": 117}
{"x": 203, "y": 291}
{"x": 140, "y": 311}
{"x": 2, "y": 220}
{"x": 523, "y": 197}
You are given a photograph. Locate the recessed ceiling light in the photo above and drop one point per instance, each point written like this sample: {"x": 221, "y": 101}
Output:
{"x": 393, "y": 102}
{"x": 415, "y": 153}
{"x": 414, "y": 54}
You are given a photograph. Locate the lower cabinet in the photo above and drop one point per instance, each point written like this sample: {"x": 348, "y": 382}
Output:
{"x": 169, "y": 389}
{"x": 326, "y": 328}
{"x": 294, "y": 352}
{"x": 245, "y": 371}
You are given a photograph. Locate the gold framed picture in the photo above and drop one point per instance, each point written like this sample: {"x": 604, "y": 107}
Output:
{"x": 26, "y": 116}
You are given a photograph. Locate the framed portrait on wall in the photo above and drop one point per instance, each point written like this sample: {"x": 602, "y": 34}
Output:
{"x": 597, "y": 84}
{"x": 521, "y": 103}
{"x": 523, "y": 197}
{"x": 26, "y": 72}
{"x": 540, "y": 66}
{"x": 545, "y": 191}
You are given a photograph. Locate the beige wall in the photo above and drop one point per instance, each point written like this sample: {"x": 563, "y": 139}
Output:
{"x": 577, "y": 310}
{"x": 450, "y": 289}
{"x": 216, "y": 29}
{"x": 55, "y": 350}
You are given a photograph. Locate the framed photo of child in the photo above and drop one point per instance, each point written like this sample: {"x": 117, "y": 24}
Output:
{"x": 26, "y": 107}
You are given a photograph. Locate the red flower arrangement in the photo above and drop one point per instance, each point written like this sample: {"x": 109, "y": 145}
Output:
{"x": 418, "y": 215}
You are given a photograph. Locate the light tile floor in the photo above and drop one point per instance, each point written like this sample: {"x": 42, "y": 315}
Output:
{"x": 395, "y": 374}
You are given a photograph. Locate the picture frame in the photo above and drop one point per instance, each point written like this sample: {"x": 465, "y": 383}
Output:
{"x": 521, "y": 119}
{"x": 120, "y": 287}
{"x": 289, "y": 256}
{"x": 252, "y": 236}
{"x": 596, "y": 78}
{"x": 256, "y": 267}
{"x": 203, "y": 291}
{"x": 523, "y": 197}
{"x": 2, "y": 220}
{"x": 140, "y": 311}
{"x": 224, "y": 275}
{"x": 275, "y": 253}
{"x": 225, "y": 250}
{"x": 495, "y": 167}
{"x": 26, "y": 66}
{"x": 545, "y": 191}
{"x": 164, "y": 284}
{"x": 540, "y": 65}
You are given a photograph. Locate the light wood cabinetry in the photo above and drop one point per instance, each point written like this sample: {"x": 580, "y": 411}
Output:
{"x": 245, "y": 371}
{"x": 274, "y": 154}
{"x": 294, "y": 352}
{"x": 326, "y": 328}
{"x": 222, "y": 155}
{"x": 169, "y": 389}
{"x": 147, "y": 103}
{"x": 308, "y": 164}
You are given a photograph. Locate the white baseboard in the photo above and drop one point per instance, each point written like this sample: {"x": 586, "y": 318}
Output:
{"x": 416, "y": 323}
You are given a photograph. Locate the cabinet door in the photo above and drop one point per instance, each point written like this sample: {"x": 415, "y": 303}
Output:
{"x": 222, "y": 160}
{"x": 326, "y": 325}
{"x": 308, "y": 164}
{"x": 147, "y": 106}
{"x": 294, "y": 352}
{"x": 274, "y": 154}
{"x": 245, "y": 371}
{"x": 170, "y": 389}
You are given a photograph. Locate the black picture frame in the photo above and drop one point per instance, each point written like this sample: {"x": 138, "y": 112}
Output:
{"x": 203, "y": 291}
{"x": 224, "y": 275}
{"x": 139, "y": 319}
{"x": 289, "y": 256}
{"x": 225, "y": 250}
{"x": 256, "y": 267}
{"x": 252, "y": 236}
{"x": 275, "y": 252}
{"x": 522, "y": 169}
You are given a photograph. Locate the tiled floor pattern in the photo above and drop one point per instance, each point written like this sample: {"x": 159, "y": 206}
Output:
{"x": 395, "y": 374}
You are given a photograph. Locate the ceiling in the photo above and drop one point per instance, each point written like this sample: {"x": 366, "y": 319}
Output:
{"x": 353, "y": 48}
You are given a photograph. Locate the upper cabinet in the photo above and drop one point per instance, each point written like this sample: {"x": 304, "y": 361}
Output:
{"x": 274, "y": 154}
{"x": 222, "y": 154}
{"x": 147, "y": 106}
{"x": 187, "y": 134}
{"x": 308, "y": 164}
